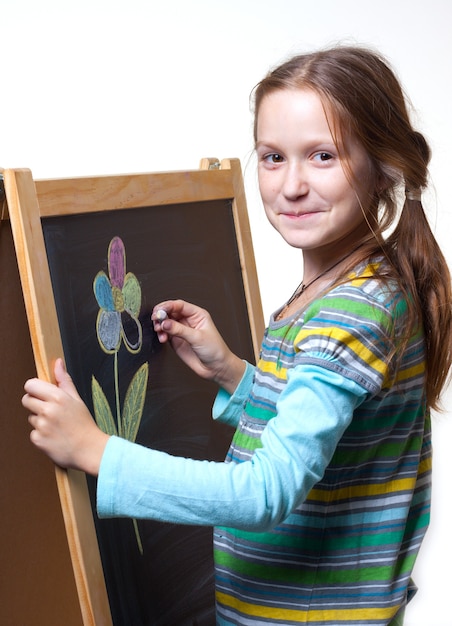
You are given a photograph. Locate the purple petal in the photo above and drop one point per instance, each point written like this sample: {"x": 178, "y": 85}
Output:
{"x": 116, "y": 262}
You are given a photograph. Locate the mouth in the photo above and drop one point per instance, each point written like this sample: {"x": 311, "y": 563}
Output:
{"x": 300, "y": 215}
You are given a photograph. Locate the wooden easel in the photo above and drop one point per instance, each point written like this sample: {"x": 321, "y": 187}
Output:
{"x": 29, "y": 202}
{"x": 36, "y": 577}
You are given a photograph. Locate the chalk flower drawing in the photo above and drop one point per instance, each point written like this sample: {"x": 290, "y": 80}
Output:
{"x": 119, "y": 297}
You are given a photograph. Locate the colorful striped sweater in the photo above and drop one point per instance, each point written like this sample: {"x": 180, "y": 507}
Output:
{"x": 343, "y": 556}
{"x": 322, "y": 505}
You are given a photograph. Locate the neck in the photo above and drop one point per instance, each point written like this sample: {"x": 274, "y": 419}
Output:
{"x": 319, "y": 260}
{"x": 331, "y": 270}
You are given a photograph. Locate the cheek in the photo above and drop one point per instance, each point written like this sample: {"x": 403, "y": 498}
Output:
{"x": 365, "y": 181}
{"x": 332, "y": 186}
{"x": 266, "y": 186}
{"x": 351, "y": 193}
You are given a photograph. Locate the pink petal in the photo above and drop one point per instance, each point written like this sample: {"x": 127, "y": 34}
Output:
{"x": 116, "y": 262}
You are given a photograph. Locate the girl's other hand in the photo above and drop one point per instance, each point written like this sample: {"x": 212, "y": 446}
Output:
{"x": 63, "y": 427}
{"x": 196, "y": 340}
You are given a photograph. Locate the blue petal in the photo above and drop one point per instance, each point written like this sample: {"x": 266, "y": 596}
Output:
{"x": 103, "y": 292}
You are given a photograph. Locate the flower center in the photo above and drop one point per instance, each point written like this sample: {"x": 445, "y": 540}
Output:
{"x": 118, "y": 299}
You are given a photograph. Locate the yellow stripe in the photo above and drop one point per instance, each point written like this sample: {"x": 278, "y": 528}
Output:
{"x": 358, "y": 280}
{"x": 344, "y": 337}
{"x": 300, "y": 616}
{"x": 277, "y": 371}
{"x": 403, "y": 484}
{"x": 411, "y": 372}
{"x": 273, "y": 368}
{"x": 425, "y": 466}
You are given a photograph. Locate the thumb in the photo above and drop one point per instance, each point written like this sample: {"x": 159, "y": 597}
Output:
{"x": 63, "y": 379}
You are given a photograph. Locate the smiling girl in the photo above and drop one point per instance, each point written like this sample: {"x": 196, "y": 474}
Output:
{"x": 322, "y": 504}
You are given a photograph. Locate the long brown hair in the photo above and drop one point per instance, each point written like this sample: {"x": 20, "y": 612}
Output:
{"x": 365, "y": 101}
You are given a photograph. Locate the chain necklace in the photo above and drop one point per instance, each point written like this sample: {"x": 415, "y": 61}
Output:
{"x": 302, "y": 286}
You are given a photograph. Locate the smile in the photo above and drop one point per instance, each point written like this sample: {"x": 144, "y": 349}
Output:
{"x": 300, "y": 216}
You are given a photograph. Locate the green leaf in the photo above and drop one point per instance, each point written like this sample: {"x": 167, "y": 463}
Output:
{"x": 134, "y": 403}
{"x": 102, "y": 411}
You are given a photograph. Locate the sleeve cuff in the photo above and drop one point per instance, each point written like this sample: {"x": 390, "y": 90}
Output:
{"x": 227, "y": 408}
{"x": 106, "y": 481}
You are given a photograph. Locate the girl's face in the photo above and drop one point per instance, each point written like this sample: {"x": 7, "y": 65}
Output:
{"x": 306, "y": 192}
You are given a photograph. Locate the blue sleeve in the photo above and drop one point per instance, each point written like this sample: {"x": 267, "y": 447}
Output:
{"x": 228, "y": 408}
{"x": 314, "y": 410}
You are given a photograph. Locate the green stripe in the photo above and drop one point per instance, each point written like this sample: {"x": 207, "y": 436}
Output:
{"x": 325, "y": 542}
{"x": 339, "y": 304}
{"x": 244, "y": 441}
{"x": 382, "y": 450}
{"x": 259, "y": 413}
{"x": 317, "y": 575}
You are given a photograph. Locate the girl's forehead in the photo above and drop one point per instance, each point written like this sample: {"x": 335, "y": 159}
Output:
{"x": 306, "y": 98}
{"x": 303, "y": 109}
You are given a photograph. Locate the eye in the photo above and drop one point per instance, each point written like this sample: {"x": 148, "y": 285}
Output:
{"x": 274, "y": 157}
{"x": 323, "y": 156}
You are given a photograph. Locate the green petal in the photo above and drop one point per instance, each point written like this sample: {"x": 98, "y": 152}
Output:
{"x": 132, "y": 294}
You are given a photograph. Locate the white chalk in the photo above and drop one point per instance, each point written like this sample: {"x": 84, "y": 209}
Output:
{"x": 161, "y": 315}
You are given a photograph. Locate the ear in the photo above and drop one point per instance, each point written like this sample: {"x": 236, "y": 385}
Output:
{"x": 382, "y": 183}
{"x": 386, "y": 177}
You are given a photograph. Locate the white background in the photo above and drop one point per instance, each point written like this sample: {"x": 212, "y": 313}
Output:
{"x": 107, "y": 87}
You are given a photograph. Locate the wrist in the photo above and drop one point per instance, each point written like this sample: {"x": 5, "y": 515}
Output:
{"x": 231, "y": 374}
{"x": 91, "y": 457}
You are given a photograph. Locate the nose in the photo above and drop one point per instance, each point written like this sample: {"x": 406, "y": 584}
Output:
{"x": 295, "y": 184}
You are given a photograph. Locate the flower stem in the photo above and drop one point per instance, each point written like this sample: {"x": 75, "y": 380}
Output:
{"x": 118, "y": 406}
{"x": 137, "y": 535}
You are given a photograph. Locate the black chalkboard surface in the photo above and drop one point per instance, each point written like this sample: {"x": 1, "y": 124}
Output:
{"x": 186, "y": 251}
{"x": 114, "y": 247}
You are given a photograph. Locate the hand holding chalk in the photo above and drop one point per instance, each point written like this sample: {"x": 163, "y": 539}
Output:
{"x": 197, "y": 342}
{"x": 159, "y": 317}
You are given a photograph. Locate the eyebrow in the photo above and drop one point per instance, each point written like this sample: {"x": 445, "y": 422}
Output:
{"x": 313, "y": 143}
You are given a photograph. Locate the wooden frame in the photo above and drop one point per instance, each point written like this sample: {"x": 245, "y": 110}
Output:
{"x": 37, "y": 575}
{"x": 29, "y": 202}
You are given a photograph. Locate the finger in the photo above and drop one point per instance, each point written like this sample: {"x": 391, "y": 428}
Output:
{"x": 158, "y": 315}
{"x": 39, "y": 388}
{"x": 163, "y": 310}
{"x": 38, "y": 440}
{"x": 162, "y": 336}
{"x": 38, "y": 424}
{"x": 29, "y": 403}
{"x": 162, "y": 315}
{"x": 64, "y": 380}
{"x": 35, "y": 438}
{"x": 176, "y": 309}
{"x": 32, "y": 403}
{"x": 170, "y": 307}
{"x": 171, "y": 328}
{"x": 25, "y": 400}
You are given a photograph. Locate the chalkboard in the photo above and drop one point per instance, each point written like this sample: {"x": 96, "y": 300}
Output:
{"x": 113, "y": 247}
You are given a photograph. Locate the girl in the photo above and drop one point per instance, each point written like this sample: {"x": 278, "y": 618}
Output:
{"x": 323, "y": 501}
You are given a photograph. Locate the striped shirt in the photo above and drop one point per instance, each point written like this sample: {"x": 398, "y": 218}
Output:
{"x": 345, "y": 553}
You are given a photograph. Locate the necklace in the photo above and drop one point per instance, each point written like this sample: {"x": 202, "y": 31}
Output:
{"x": 302, "y": 286}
